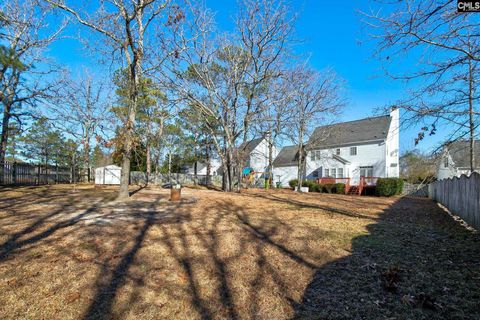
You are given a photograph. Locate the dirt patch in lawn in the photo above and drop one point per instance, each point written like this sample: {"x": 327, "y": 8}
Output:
{"x": 259, "y": 254}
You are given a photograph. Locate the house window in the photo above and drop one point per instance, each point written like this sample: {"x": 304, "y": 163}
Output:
{"x": 340, "y": 173}
{"x": 327, "y": 173}
{"x": 312, "y": 155}
{"x": 333, "y": 173}
{"x": 353, "y": 151}
{"x": 445, "y": 162}
{"x": 337, "y": 151}
{"x": 366, "y": 171}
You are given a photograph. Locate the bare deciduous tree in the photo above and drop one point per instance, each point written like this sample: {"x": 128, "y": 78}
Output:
{"x": 81, "y": 110}
{"x": 25, "y": 72}
{"x": 315, "y": 97}
{"x": 227, "y": 78}
{"x": 447, "y": 49}
{"x": 125, "y": 28}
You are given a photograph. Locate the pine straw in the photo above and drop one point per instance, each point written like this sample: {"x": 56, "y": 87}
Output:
{"x": 259, "y": 254}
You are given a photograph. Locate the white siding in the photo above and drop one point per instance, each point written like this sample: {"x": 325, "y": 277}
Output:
{"x": 284, "y": 175}
{"x": 392, "y": 146}
{"x": 367, "y": 155}
{"x": 258, "y": 158}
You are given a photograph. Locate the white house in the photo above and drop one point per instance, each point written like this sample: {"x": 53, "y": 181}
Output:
{"x": 285, "y": 165}
{"x": 256, "y": 154}
{"x": 367, "y": 147}
{"x": 455, "y": 159}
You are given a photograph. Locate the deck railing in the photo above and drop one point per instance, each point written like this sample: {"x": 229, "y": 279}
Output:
{"x": 364, "y": 182}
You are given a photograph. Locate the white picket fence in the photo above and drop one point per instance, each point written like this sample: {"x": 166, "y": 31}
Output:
{"x": 460, "y": 195}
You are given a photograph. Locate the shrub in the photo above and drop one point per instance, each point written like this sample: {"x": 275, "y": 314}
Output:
{"x": 330, "y": 187}
{"x": 293, "y": 183}
{"x": 387, "y": 187}
{"x": 340, "y": 188}
{"x": 400, "y": 185}
{"x": 320, "y": 187}
{"x": 316, "y": 187}
{"x": 306, "y": 183}
{"x": 312, "y": 185}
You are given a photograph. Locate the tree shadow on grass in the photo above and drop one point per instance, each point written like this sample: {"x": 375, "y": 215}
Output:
{"x": 65, "y": 213}
{"x": 228, "y": 261}
{"x": 303, "y": 204}
{"x": 415, "y": 263}
{"x": 113, "y": 276}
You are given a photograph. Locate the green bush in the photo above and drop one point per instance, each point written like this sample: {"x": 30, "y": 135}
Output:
{"x": 400, "y": 186}
{"x": 320, "y": 187}
{"x": 387, "y": 187}
{"x": 312, "y": 185}
{"x": 330, "y": 188}
{"x": 307, "y": 183}
{"x": 316, "y": 187}
{"x": 293, "y": 183}
{"x": 340, "y": 188}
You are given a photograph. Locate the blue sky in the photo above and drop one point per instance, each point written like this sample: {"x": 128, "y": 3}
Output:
{"x": 334, "y": 36}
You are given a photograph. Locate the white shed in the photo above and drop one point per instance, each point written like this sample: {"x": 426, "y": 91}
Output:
{"x": 108, "y": 175}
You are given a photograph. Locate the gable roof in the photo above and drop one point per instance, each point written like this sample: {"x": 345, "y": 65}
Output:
{"x": 460, "y": 153}
{"x": 287, "y": 157}
{"x": 249, "y": 146}
{"x": 357, "y": 131}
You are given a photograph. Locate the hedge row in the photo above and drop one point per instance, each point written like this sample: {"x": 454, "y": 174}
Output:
{"x": 387, "y": 187}
{"x": 315, "y": 187}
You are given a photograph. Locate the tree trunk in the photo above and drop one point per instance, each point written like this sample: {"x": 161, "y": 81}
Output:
{"x": 86, "y": 156}
{"x": 195, "y": 173}
{"x": 471, "y": 117}
{"x": 169, "y": 167}
{"x": 300, "y": 158}
{"x": 149, "y": 164}
{"x": 134, "y": 68}
{"x": 209, "y": 165}
{"x": 270, "y": 159}
{"x": 4, "y": 137}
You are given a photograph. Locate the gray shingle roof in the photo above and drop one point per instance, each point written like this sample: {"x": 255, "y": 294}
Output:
{"x": 460, "y": 153}
{"x": 363, "y": 130}
{"x": 287, "y": 157}
{"x": 250, "y": 145}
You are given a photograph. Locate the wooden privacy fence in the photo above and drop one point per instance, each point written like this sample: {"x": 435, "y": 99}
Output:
{"x": 13, "y": 173}
{"x": 460, "y": 195}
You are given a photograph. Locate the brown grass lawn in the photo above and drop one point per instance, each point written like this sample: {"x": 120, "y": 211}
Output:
{"x": 262, "y": 255}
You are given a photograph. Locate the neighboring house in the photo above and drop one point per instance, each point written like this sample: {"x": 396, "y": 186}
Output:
{"x": 285, "y": 165}
{"x": 256, "y": 154}
{"x": 367, "y": 147}
{"x": 455, "y": 159}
